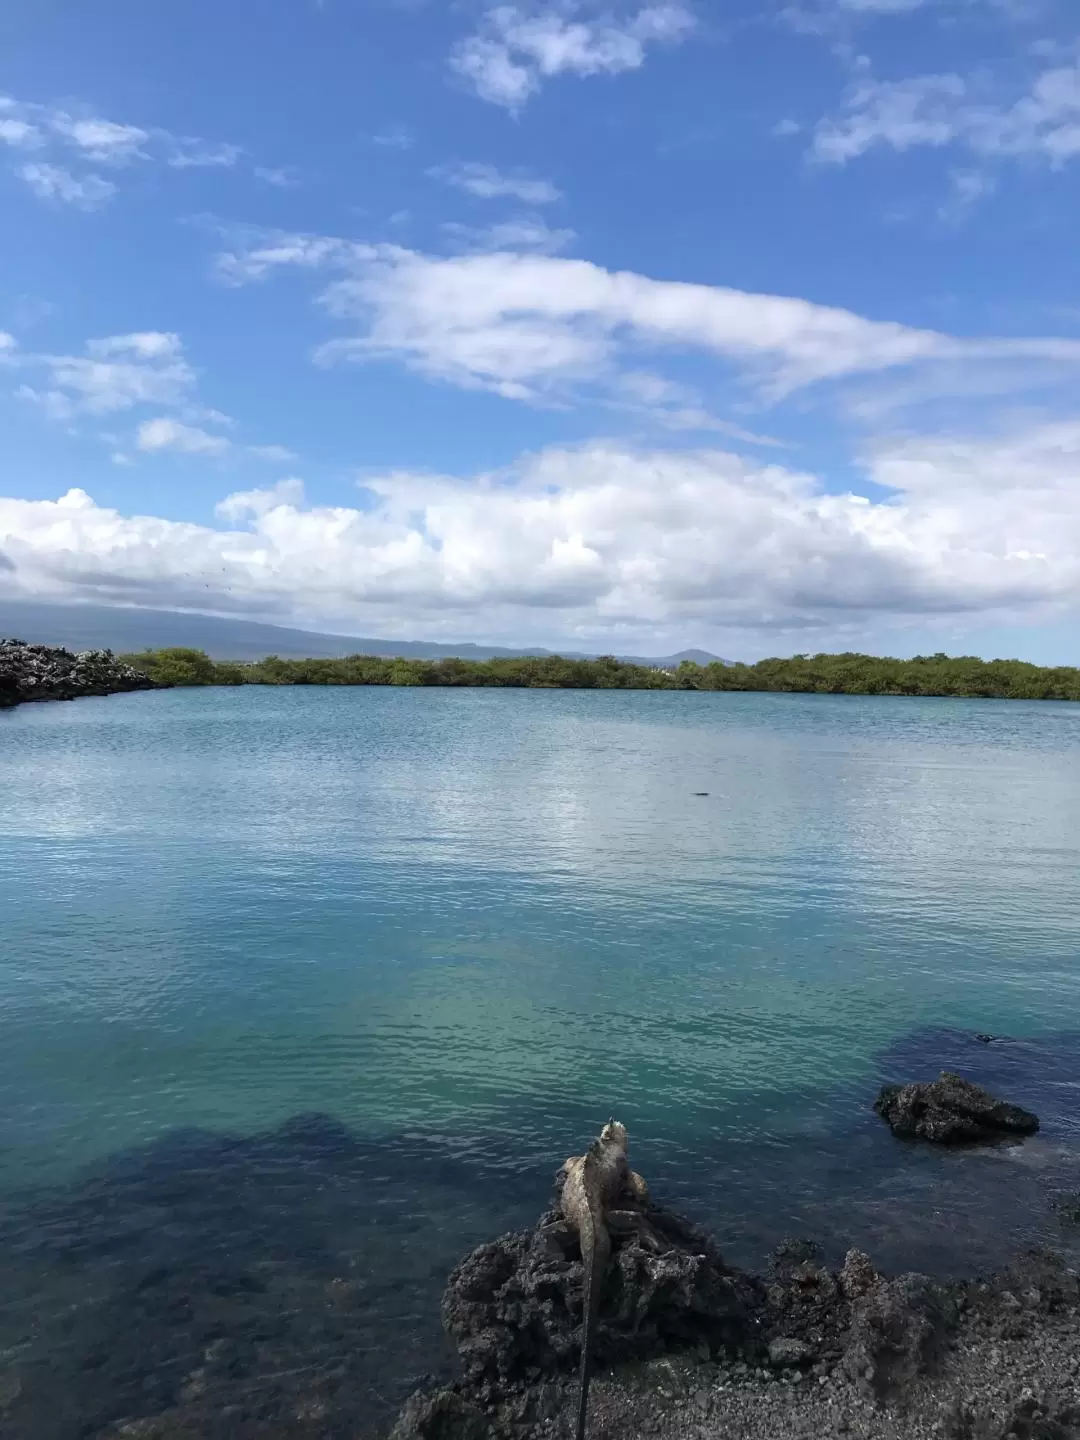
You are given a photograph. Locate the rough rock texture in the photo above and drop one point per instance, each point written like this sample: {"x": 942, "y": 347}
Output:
{"x": 950, "y": 1111}
{"x": 996, "y": 1360}
{"x": 513, "y": 1307}
{"x": 899, "y": 1330}
{"x": 445, "y": 1415}
{"x": 40, "y": 672}
{"x": 694, "y": 1350}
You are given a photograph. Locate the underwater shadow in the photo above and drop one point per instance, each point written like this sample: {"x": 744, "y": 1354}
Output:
{"x": 287, "y": 1283}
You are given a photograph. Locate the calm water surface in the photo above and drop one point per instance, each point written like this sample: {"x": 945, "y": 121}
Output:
{"x": 305, "y": 991}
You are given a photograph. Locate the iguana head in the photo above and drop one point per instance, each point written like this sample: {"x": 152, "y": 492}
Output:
{"x": 613, "y": 1134}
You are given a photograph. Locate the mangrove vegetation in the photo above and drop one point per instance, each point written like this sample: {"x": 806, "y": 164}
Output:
{"x": 964, "y": 676}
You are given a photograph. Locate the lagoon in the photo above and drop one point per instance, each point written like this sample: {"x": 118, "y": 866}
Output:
{"x": 304, "y": 991}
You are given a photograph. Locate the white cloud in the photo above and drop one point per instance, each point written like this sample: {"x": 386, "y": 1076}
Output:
{"x": 164, "y": 433}
{"x": 70, "y": 140}
{"x": 831, "y": 17}
{"x": 279, "y": 454}
{"x": 488, "y": 183}
{"x": 396, "y": 138}
{"x": 196, "y": 154}
{"x": 116, "y": 373}
{"x": 951, "y": 109}
{"x": 507, "y": 60}
{"x": 309, "y": 252}
{"x": 102, "y": 141}
{"x": 534, "y": 326}
{"x": 604, "y": 538}
{"x": 520, "y": 234}
{"x": 19, "y": 133}
{"x": 54, "y": 182}
{"x": 968, "y": 188}
{"x": 241, "y": 506}
{"x": 280, "y": 175}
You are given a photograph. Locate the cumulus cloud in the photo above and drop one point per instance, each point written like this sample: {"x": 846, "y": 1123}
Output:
{"x": 952, "y": 109}
{"x": 533, "y": 327}
{"x": 515, "y": 50}
{"x": 604, "y": 538}
{"x": 488, "y": 183}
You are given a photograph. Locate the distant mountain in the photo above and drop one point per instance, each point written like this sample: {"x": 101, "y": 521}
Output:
{"x": 105, "y": 627}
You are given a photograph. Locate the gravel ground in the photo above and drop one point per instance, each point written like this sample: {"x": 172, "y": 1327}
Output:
{"x": 990, "y": 1386}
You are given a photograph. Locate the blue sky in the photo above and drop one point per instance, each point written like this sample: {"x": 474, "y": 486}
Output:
{"x": 753, "y": 326}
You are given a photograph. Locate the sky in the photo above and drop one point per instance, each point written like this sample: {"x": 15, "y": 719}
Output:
{"x": 748, "y": 325}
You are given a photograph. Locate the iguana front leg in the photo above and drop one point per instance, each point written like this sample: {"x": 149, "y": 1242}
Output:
{"x": 633, "y": 1222}
{"x": 638, "y": 1187}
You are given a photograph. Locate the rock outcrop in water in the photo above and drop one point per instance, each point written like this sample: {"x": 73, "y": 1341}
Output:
{"x": 512, "y": 1308}
{"x": 44, "y": 672}
{"x": 704, "y": 1352}
{"x": 951, "y": 1111}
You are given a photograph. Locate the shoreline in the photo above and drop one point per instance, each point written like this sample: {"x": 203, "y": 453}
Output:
{"x": 825, "y": 1355}
{"x": 934, "y": 676}
{"x": 33, "y": 674}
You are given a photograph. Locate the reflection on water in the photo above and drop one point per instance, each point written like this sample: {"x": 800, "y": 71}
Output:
{"x": 460, "y": 928}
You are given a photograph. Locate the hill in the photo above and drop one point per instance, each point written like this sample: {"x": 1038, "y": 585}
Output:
{"x": 106, "y": 627}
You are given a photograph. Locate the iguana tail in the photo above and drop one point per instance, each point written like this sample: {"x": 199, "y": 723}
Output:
{"x": 595, "y": 1250}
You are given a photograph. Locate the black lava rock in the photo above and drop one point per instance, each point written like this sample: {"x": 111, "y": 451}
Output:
{"x": 513, "y": 1307}
{"x": 950, "y": 1111}
{"x": 44, "y": 672}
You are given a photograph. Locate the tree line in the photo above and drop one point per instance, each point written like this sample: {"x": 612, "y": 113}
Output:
{"x": 964, "y": 676}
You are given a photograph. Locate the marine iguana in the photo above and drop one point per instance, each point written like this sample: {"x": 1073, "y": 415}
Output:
{"x": 594, "y": 1186}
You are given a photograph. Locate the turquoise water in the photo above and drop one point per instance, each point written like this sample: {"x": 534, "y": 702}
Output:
{"x": 455, "y": 930}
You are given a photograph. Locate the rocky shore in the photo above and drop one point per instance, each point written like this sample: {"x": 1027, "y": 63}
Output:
{"x": 692, "y": 1349}
{"x": 42, "y": 672}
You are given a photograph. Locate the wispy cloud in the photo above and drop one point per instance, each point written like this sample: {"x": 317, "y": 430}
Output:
{"x": 397, "y": 137}
{"x": 520, "y": 234}
{"x": 515, "y": 49}
{"x": 534, "y": 326}
{"x": 957, "y": 110}
{"x": 55, "y": 182}
{"x": 198, "y": 155}
{"x": 164, "y": 433}
{"x": 488, "y": 183}
{"x": 280, "y": 175}
{"x": 117, "y": 374}
{"x": 61, "y": 151}
{"x": 114, "y": 374}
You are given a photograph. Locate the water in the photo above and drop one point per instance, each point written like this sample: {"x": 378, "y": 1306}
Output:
{"x": 303, "y": 992}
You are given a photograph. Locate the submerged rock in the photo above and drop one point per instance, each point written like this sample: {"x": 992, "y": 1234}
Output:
{"x": 951, "y": 1110}
{"x": 44, "y": 672}
{"x": 445, "y": 1415}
